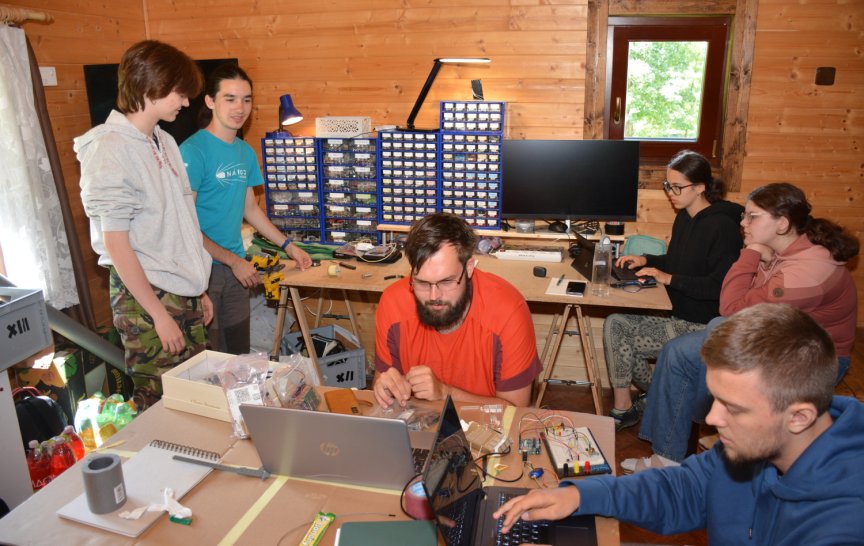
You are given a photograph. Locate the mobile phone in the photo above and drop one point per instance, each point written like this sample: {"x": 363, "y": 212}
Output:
{"x": 576, "y": 288}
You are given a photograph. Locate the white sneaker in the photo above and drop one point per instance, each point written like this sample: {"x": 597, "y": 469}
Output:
{"x": 630, "y": 466}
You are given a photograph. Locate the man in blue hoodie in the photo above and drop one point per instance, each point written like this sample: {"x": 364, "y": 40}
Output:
{"x": 787, "y": 469}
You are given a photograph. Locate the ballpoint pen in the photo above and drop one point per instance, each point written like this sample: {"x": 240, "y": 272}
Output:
{"x": 560, "y": 280}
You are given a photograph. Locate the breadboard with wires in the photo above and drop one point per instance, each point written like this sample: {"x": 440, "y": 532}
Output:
{"x": 574, "y": 451}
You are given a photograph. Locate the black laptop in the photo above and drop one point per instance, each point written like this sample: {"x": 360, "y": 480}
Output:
{"x": 463, "y": 507}
{"x": 583, "y": 264}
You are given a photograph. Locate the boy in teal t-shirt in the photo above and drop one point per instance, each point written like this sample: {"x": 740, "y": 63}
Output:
{"x": 223, "y": 170}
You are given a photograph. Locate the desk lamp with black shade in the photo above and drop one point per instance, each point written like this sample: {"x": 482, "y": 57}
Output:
{"x": 409, "y": 126}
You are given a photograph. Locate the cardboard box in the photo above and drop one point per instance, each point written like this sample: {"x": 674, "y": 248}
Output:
{"x": 24, "y": 326}
{"x": 344, "y": 369}
{"x": 186, "y": 387}
{"x": 65, "y": 379}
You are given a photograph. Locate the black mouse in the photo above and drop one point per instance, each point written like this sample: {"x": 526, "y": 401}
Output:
{"x": 558, "y": 227}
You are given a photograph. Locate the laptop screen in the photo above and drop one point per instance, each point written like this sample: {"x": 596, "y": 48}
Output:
{"x": 452, "y": 481}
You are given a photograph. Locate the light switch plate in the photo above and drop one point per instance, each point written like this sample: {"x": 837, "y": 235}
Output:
{"x": 49, "y": 75}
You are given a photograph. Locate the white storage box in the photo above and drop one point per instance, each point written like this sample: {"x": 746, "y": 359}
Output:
{"x": 24, "y": 328}
{"x": 186, "y": 387}
{"x": 343, "y": 127}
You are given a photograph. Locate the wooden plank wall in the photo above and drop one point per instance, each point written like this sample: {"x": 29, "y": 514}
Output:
{"x": 370, "y": 58}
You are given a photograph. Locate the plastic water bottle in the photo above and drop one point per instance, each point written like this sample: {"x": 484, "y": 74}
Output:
{"x": 62, "y": 456}
{"x": 123, "y": 414}
{"x": 88, "y": 434}
{"x": 106, "y": 427}
{"x": 602, "y": 269}
{"x": 75, "y": 441}
{"x": 39, "y": 465}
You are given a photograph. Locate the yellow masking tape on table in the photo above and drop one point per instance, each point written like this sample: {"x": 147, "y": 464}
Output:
{"x": 246, "y": 520}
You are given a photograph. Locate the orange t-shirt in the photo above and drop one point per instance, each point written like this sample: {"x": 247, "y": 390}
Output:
{"x": 493, "y": 350}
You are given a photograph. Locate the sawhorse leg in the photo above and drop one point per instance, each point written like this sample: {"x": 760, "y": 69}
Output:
{"x": 549, "y": 364}
{"x": 588, "y": 355}
{"x": 297, "y": 303}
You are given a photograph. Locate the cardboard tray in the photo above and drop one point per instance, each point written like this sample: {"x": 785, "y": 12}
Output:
{"x": 185, "y": 388}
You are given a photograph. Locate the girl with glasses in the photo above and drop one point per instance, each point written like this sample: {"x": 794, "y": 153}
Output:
{"x": 789, "y": 257}
{"x": 705, "y": 242}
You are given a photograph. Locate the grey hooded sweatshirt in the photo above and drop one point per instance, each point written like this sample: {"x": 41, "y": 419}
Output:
{"x": 128, "y": 184}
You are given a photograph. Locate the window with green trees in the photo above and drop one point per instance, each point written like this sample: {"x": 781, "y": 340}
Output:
{"x": 666, "y": 85}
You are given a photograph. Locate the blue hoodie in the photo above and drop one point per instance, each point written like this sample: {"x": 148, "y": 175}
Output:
{"x": 819, "y": 501}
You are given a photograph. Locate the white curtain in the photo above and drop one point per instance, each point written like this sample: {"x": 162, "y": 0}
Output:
{"x": 32, "y": 233}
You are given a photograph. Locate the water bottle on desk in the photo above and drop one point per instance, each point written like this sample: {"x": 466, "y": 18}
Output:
{"x": 602, "y": 268}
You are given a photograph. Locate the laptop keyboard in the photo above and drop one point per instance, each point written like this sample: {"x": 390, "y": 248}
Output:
{"x": 522, "y": 532}
{"x": 454, "y": 531}
{"x": 420, "y": 455}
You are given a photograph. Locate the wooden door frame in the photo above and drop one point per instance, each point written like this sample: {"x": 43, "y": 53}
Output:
{"x": 738, "y": 85}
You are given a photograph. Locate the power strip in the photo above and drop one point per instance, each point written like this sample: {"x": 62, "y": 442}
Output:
{"x": 574, "y": 452}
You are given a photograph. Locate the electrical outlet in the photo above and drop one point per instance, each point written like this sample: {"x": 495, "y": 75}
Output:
{"x": 49, "y": 75}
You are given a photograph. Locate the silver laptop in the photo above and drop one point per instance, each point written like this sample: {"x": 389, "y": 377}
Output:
{"x": 352, "y": 449}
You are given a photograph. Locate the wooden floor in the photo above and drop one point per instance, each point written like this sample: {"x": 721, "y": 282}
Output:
{"x": 629, "y": 445}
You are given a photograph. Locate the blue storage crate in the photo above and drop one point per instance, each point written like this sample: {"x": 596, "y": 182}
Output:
{"x": 409, "y": 172}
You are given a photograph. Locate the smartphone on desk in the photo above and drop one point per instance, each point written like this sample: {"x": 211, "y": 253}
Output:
{"x": 576, "y": 288}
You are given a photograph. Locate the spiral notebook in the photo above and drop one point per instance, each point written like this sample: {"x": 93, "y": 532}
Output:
{"x": 146, "y": 474}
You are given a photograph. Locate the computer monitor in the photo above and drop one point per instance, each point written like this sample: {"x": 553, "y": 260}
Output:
{"x": 101, "y": 83}
{"x": 570, "y": 180}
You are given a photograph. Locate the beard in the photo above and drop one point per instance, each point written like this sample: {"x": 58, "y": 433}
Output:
{"x": 766, "y": 449}
{"x": 450, "y": 316}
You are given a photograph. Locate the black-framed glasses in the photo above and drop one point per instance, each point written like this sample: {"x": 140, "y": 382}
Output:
{"x": 674, "y": 188}
{"x": 447, "y": 285}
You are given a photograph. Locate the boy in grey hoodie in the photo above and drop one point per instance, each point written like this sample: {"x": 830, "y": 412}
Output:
{"x": 142, "y": 216}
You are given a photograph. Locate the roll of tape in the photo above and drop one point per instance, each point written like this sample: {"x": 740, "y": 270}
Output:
{"x": 103, "y": 483}
{"x": 416, "y": 503}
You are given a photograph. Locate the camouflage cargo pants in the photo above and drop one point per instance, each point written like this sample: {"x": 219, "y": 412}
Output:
{"x": 145, "y": 359}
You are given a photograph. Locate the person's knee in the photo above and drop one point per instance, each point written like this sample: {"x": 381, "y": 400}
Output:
{"x": 713, "y": 323}
{"x": 682, "y": 354}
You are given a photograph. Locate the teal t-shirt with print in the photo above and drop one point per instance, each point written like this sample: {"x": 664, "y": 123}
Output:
{"x": 220, "y": 173}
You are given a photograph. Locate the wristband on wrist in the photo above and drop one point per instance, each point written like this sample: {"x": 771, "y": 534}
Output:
{"x": 286, "y": 243}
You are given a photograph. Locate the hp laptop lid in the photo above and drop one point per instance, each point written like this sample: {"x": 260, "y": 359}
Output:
{"x": 463, "y": 507}
{"x": 358, "y": 450}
